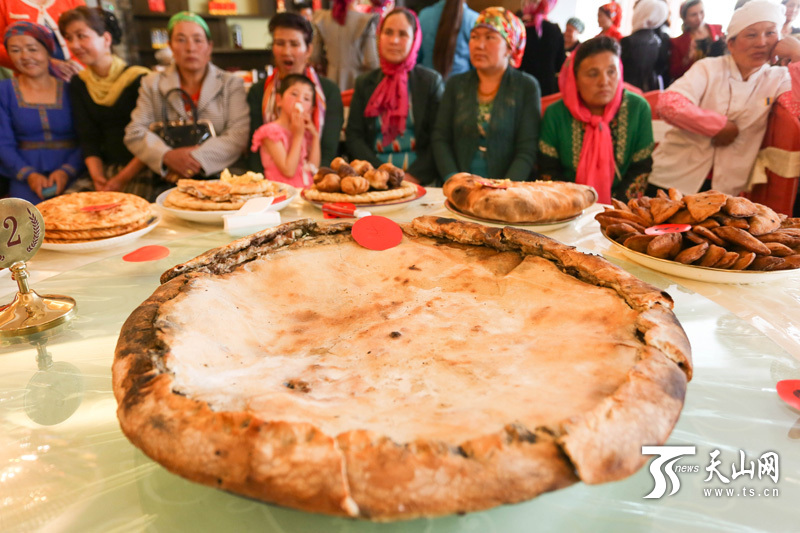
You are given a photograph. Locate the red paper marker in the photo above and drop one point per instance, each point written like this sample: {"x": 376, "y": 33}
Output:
{"x": 661, "y": 229}
{"x": 101, "y": 207}
{"x": 789, "y": 391}
{"x": 339, "y": 209}
{"x": 377, "y": 233}
{"x": 146, "y": 253}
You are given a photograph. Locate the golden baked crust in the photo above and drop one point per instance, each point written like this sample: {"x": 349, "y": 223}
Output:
{"x": 73, "y": 212}
{"x": 321, "y": 430}
{"x": 517, "y": 201}
{"x": 372, "y": 197}
{"x": 90, "y": 235}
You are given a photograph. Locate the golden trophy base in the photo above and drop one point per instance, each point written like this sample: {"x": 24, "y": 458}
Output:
{"x": 31, "y": 313}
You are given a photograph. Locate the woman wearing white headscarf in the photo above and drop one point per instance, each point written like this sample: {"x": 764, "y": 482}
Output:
{"x": 644, "y": 55}
{"x": 719, "y": 108}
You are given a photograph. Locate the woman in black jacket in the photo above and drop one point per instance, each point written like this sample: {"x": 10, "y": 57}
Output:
{"x": 394, "y": 107}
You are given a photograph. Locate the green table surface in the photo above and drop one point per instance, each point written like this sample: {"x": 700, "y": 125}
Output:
{"x": 66, "y": 466}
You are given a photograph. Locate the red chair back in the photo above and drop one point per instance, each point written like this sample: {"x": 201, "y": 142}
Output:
{"x": 347, "y": 96}
{"x": 550, "y": 99}
{"x": 652, "y": 99}
{"x": 780, "y": 192}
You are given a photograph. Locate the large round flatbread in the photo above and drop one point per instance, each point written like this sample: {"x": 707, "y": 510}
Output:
{"x": 93, "y": 234}
{"x": 93, "y": 210}
{"x": 517, "y": 201}
{"x": 465, "y": 368}
{"x": 405, "y": 190}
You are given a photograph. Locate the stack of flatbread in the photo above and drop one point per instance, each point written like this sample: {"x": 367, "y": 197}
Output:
{"x": 91, "y": 216}
{"x": 229, "y": 193}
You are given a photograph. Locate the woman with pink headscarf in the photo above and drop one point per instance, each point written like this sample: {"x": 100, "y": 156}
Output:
{"x": 599, "y": 133}
{"x": 544, "y": 50}
{"x": 394, "y": 106}
{"x": 344, "y": 40}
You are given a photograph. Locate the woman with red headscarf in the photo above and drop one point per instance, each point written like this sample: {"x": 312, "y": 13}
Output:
{"x": 599, "y": 134}
{"x": 345, "y": 40}
{"x": 393, "y": 107}
{"x": 544, "y": 50}
{"x": 488, "y": 122}
{"x": 609, "y": 17}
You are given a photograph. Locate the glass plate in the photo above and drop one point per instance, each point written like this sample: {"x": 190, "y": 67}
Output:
{"x": 375, "y": 209}
{"x": 90, "y": 246}
{"x": 539, "y": 227}
{"x": 215, "y": 217}
{"x": 700, "y": 273}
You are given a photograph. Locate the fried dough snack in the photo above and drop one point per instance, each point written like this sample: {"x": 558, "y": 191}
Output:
{"x": 727, "y": 232}
{"x": 357, "y": 177}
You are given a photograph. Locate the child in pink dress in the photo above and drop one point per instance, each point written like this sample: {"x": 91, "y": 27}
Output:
{"x": 291, "y": 143}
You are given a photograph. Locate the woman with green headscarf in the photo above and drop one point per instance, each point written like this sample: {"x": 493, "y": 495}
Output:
{"x": 219, "y": 97}
{"x": 488, "y": 121}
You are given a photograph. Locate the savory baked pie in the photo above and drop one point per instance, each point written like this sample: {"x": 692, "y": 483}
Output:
{"x": 517, "y": 201}
{"x": 466, "y": 368}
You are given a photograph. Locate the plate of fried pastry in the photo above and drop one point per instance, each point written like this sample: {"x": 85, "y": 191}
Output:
{"x": 208, "y": 200}
{"x": 87, "y": 221}
{"x": 708, "y": 236}
{"x": 358, "y": 182}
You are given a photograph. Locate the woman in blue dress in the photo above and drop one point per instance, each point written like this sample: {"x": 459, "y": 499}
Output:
{"x": 39, "y": 152}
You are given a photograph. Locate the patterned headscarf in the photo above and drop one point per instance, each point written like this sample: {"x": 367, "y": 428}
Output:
{"x": 188, "y": 16}
{"x": 509, "y": 26}
{"x": 614, "y": 12}
{"x": 390, "y": 98}
{"x": 38, "y": 32}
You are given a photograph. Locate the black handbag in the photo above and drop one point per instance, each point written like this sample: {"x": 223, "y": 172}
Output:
{"x": 182, "y": 132}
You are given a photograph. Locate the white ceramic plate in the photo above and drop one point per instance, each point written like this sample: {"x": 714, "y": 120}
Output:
{"x": 91, "y": 246}
{"x": 377, "y": 209}
{"x": 215, "y": 217}
{"x": 699, "y": 273}
{"x": 538, "y": 227}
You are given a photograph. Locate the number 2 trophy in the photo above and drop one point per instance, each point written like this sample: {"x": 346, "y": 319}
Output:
{"x": 21, "y": 235}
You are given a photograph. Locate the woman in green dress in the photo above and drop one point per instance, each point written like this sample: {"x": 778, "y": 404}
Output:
{"x": 599, "y": 133}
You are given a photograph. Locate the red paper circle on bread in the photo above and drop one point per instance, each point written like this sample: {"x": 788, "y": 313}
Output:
{"x": 789, "y": 391}
{"x": 146, "y": 253}
{"x": 667, "y": 228}
{"x": 100, "y": 207}
{"x": 377, "y": 233}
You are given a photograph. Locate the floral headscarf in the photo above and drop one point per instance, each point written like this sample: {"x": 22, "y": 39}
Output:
{"x": 38, "y": 32}
{"x": 509, "y": 26}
